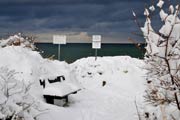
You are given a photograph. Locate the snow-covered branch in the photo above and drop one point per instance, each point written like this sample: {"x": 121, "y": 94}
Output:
{"x": 15, "y": 100}
{"x": 162, "y": 59}
{"x": 18, "y": 40}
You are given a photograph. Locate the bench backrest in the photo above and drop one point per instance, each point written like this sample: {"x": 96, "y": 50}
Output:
{"x": 58, "y": 79}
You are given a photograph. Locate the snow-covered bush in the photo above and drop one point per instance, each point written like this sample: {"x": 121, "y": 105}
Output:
{"x": 163, "y": 63}
{"x": 15, "y": 100}
{"x": 18, "y": 40}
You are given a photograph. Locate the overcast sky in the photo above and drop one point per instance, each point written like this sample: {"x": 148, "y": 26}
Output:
{"x": 78, "y": 19}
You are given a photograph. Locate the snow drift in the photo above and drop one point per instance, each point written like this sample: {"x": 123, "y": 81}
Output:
{"x": 110, "y": 85}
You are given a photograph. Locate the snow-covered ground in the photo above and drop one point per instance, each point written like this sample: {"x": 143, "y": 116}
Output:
{"x": 109, "y": 86}
{"x": 124, "y": 78}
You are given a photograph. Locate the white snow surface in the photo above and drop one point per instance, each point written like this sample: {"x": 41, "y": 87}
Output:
{"x": 33, "y": 67}
{"x": 124, "y": 78}
{"x": 146, "y": 12}
{"x": 152, "y": 8}
{"x": 62, "y": 89}
{"x": 123, "y": 75}
{"x": 171, "y": 9}
{"x": 160, "y": 3}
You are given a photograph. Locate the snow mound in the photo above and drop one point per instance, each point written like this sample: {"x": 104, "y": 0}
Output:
{"x": 91, "y": 73}
{"x": 33, "y": 67}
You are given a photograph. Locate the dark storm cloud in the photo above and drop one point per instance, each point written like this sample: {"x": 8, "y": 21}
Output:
{"x": 91, "y": 16}
{"x": 62, "y": 2}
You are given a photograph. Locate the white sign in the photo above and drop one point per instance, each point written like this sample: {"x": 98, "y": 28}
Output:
{"x": 96, "y": 45}
{"x": 96, "y": 38}
{"x": 96, "y": 42}
{"x": 59, "y": 39}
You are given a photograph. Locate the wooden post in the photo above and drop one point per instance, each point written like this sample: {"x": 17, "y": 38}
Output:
{"x": 66, "y": 98}
{"x": 59, "y": 52}
{"x": 95, "y": 54}
{"x": 49, "y": 99}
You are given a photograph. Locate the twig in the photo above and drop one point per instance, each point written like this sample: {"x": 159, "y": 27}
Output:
{"x": 137, "y": 110}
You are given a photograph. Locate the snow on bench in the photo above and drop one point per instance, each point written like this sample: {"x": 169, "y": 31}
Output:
{"x": 58, "y": 88}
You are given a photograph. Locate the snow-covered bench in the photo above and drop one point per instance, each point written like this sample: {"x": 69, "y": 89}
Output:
{"x": 58, "y": 89}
